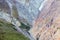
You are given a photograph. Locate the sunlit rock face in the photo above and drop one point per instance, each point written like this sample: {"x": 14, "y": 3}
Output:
{"x": 47, "y": 25}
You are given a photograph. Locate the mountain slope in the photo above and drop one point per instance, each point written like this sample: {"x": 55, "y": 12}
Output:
{"x": 8, "y": 32}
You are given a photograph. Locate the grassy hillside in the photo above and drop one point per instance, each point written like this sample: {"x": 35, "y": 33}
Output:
{"x": 7, "y": 32}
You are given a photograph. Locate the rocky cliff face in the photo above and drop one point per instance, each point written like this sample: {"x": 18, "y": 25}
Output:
{"x": 46, "y": 26}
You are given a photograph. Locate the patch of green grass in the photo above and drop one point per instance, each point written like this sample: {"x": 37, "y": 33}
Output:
{"x": 7, "y": 32}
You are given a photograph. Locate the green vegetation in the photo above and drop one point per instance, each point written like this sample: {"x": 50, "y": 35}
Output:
{"x": 7, "y": 32}
{"x": 23, "y": 26}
